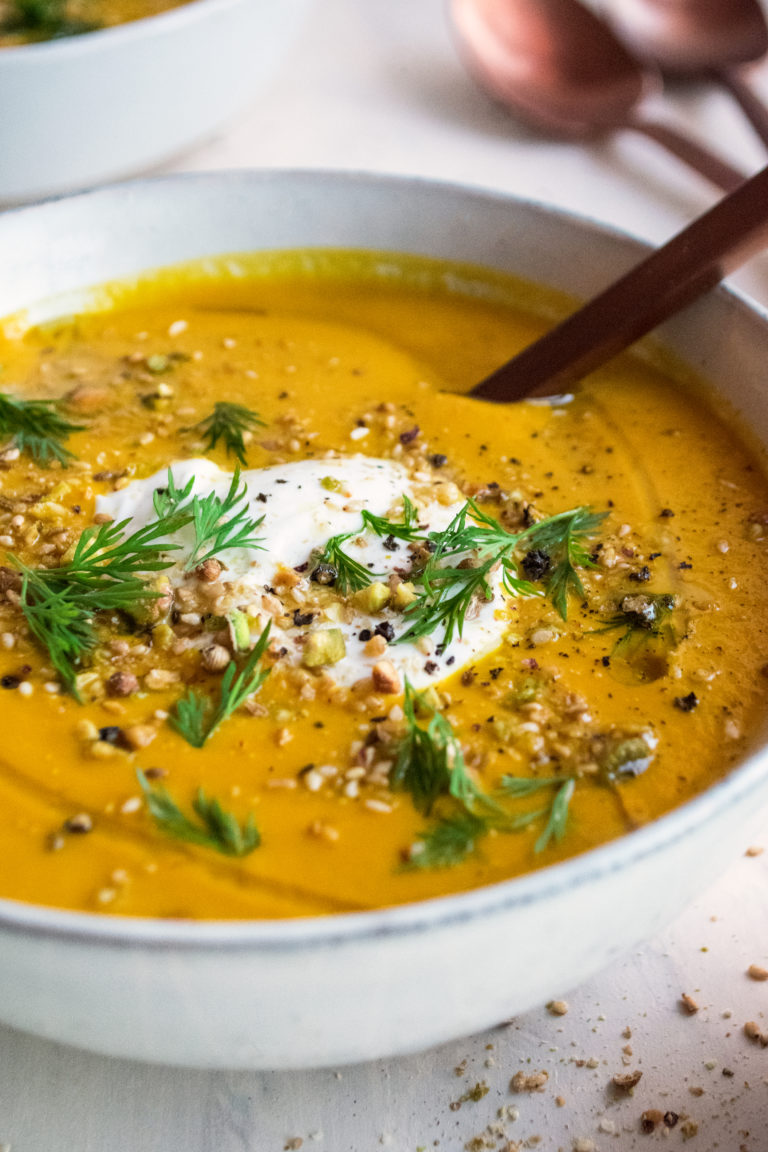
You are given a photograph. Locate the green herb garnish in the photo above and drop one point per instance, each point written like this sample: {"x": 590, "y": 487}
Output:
{"x": 220, "y": 524}
{"x": 105, "y": 574}
{"x": 108, "y": 569}
{"x": 61, "y": 620}
{"x": 447, "y": 590}
{"x": 474, "y": 544}
{"x": 429, "y": 762}
{"x": 449, "y": 841}
{"x": 170, "y": 499}
{"x": 521, "y": 786}
{"x": 37, "y": 428}
{"x": 649, "y": 633}
{"x": 405, "y": 529}
{"x": 350, "y": 575}
{"x": 563, "y": 538}
{"x": 463, "y": 557}
{"x": 227, "y": 423}
{"x": 451, "y": 838}
{"x": 458, "y": 573}
{"x": 196, "y": 717}
{"x": 430, "y": 765}
{"x": 558, "y": 816}
{"x": 215, "y": 828}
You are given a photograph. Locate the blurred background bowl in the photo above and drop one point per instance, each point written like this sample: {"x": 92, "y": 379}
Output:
{"x": 92, "y": 108}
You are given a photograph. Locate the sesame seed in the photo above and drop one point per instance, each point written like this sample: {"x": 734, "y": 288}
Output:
{"x": 377, "y": 805}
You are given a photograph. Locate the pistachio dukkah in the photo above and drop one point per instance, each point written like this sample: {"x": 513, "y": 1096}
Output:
{"x": 289, "y": 626}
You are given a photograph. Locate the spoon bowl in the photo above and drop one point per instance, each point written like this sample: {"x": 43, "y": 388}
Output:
{"x": 688, "y": 37}
{"x": 563, "y": 71}
{"x": 707, "y": 38}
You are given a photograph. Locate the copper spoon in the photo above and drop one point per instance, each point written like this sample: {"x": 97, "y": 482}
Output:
{"x": 561, "y": 69}
{"x": 707, "y": 38}
{"x": 673, "y": 276}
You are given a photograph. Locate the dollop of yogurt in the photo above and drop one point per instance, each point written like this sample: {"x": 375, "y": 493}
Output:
{"x": 303, "y": 504}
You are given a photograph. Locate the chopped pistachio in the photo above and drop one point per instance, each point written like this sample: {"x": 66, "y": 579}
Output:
{"x": 373, "y": 598}
{"x": 324, "y": 646}
{"x": 629, "y": 757}
{"x": 158, "y": 363}
{"x": 523, "y": 693}
{"x": 404, "y": 595}
{"x": 239, "y": 630}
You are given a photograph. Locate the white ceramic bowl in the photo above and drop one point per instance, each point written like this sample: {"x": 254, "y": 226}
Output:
{"x": 85, "y": 109}
{"x": 347, "y": 988}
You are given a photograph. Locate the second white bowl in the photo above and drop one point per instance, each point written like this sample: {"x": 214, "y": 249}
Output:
{"x": 86, "y": 109}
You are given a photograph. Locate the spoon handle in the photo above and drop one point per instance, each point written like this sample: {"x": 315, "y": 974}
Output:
{"x": 673, "y": 276}
{"x": 706, "y": 163}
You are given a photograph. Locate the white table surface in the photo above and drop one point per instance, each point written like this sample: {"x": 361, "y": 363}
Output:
{"x": 377, "y": 85}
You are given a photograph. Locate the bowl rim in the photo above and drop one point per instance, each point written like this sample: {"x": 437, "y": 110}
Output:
{"x": 163, "y": 23}
{"x": 441, "y": 912}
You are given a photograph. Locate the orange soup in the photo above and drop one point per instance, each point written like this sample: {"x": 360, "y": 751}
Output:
{"x": 290, "y": 626}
